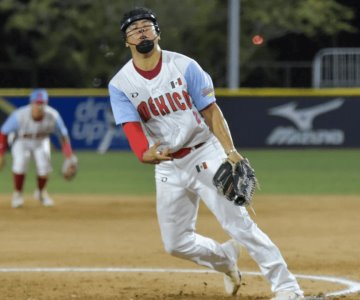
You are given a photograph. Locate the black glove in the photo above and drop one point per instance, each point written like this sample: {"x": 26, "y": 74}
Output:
{"x": 237, "y": 182}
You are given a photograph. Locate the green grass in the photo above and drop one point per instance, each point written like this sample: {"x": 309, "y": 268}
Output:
{"x": 279, "y": 172}
{"x": 111, "y": 173}
{"x": 307, "y": 171}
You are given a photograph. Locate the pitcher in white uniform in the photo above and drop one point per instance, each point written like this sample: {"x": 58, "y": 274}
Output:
{"x": 31, "y": 126}
{"x": 167, "y": 107}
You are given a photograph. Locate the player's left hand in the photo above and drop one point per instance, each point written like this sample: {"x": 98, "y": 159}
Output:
{"x": 236, "y": 181}
{"x": 155, "y": 156}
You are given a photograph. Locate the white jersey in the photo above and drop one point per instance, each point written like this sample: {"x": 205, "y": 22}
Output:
{"x": 24, "y": 126}
{"x": 32, "y": 138}
{"x": 168, "y": 105}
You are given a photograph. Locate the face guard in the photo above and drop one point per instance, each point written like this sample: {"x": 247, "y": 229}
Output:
{"x": 148, "y": 16}
{"x": 145, "y": 46}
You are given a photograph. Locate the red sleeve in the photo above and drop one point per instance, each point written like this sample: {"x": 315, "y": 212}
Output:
{"x": 3, "y": 143}
{"x": 137, "y": 139}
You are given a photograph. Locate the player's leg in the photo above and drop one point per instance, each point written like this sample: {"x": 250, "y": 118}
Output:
{"x": 21, "y": 157}
{"x": 106, "y": 140}
{"x": 239, "y": 225}
{"x": 177, "y": 210}
{"x": 42, "y": 157}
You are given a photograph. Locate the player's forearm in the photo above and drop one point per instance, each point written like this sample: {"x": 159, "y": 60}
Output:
{"x": 137, "y": 139}
{"x": 218, "y": 125}
{"x": 66, "y": 147}
{"x": 140, "y": 145}
{"x": 222, "y": 132}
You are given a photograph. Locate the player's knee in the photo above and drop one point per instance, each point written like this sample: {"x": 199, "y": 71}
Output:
{"x": 177, "y": 252}
{"x": 170, "y": 247}
{"x": 179, "y": 247}
{"x": 169, "y": 250}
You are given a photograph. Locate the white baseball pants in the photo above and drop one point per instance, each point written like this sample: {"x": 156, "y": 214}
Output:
{"x": 180, "y": 184}
{"x": 24, "y": 149}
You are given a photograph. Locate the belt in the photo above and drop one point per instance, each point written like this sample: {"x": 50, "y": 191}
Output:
{"x": 34, "y": 136}
{"x": 185, "y": 151}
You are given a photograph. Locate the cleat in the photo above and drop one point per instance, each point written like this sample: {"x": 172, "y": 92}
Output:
{"x": 17, "y": 200}
{"x": 288, "y": 295}
{"x": 232, "y": 279}
{"x": 44, "y": 198}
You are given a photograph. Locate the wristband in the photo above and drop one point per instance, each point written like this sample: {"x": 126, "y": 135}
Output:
{"x": 231, "y": 151}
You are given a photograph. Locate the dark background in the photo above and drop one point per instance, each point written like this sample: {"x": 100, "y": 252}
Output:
{"x": 298, "y": 51}
{"x": 86, "y": 49}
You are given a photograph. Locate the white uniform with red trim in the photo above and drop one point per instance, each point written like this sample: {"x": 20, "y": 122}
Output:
{"x": 168, "y": 108}
{"x": 32, "y": 138}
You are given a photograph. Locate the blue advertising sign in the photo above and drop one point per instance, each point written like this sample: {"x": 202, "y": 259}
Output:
{"x": 293, "y": 121}
{"x": 89, "y": 121}
{"x": 257, "y": 118}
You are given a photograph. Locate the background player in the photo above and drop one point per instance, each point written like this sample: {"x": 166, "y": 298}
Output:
{"x": 167, "y": 107}
{"x": 105, "y": 142}
{"x": 32, "y": 125}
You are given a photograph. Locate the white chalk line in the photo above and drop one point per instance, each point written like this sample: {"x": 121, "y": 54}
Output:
{"x": 352, "y": 286}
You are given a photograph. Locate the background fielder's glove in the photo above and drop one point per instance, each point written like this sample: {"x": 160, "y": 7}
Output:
{"x": 69, "y": 167}
{"x": 237, "y": 182}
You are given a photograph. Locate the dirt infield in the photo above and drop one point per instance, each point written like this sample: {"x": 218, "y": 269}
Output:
{"x": 317, "y": 236}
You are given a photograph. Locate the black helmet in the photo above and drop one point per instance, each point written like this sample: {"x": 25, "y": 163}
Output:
{"x": 138, "y": 13}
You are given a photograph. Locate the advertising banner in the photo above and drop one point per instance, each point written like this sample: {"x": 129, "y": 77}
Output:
{"x": 89, "y": 121}
{"x": 257, "y": 119}
{"x": 292, "y": 121}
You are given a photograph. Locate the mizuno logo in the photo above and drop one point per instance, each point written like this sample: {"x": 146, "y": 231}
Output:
{"x": 303, "y": 133}
{"x": 303, "y": 118}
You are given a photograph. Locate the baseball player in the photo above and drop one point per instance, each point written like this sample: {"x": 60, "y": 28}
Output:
{"x": 167, "y": 107}
{"x": 110, "y": 133}
{"x": 32, "y": 124}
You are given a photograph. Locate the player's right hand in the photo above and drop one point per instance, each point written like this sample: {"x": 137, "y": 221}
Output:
{"x": 155, "y": 156}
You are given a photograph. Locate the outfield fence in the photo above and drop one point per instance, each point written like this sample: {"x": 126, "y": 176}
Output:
{"x": 259, "y": 118}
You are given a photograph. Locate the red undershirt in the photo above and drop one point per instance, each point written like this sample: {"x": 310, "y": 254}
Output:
{"x": 133, "y": 130}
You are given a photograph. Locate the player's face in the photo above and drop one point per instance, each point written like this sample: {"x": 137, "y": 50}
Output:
{"x": 37, "y": 110}
{"x": 140, "y": 30}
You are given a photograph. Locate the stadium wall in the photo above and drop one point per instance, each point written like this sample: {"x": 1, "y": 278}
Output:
{"x": 258, "y": 118}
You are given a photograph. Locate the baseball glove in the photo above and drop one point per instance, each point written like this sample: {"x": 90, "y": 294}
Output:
{"x": 70, "y": 167}
{"x": 236, "y": 181}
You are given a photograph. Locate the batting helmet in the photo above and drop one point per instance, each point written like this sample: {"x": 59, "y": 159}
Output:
{"x": 138, "y": 14}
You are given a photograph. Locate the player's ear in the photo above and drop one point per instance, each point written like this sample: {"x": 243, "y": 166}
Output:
{"x": 124, "y": 38}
